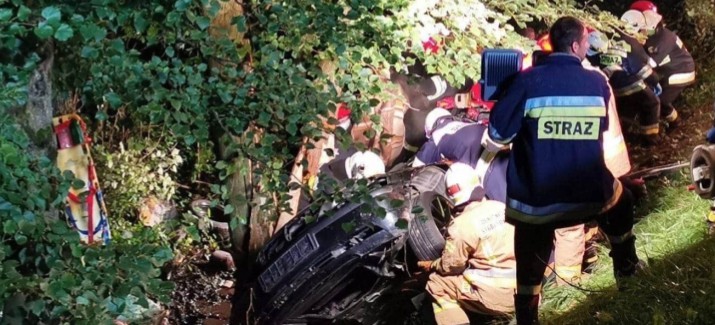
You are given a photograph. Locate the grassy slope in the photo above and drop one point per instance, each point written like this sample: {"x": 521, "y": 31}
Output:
{"x": 679, "y": 285}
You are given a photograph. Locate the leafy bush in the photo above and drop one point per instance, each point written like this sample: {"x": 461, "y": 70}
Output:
{"x": 46, "y": 274}
{"x": 143, "y": 169}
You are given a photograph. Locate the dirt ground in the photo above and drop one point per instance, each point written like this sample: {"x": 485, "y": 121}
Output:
{"x": 202, "y": 294}
{"x": 675, "y": 146}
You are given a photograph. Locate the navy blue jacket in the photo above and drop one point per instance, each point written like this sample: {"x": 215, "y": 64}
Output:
{"x": 669, "y": 53}
{"x": 458, "y": 141}
{"x": 555, "y": 115}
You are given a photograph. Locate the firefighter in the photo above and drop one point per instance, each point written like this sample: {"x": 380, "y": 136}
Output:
{"x": 670, "y": 59}
{"x": 625, "y": 62}
{"x": 476, "y": 272}
{"x": 455, "y": 140}
{"x": 557, "y": 173}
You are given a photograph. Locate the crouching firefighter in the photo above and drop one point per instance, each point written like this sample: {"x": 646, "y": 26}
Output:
{"x": 625, "y": 62}
{"x": 670, "y": 59}
{"x": 476, "y": 272}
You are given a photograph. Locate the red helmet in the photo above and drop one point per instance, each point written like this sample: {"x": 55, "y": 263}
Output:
{"x": 643, "y": 5}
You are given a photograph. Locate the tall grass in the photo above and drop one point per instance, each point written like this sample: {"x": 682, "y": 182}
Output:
{"x": 678, "y": 287}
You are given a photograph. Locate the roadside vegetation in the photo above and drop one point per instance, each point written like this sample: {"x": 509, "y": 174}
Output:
{"x": 212, "y": 99}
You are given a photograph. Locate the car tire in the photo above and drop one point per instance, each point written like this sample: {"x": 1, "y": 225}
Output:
{"x": 427, "y": 227}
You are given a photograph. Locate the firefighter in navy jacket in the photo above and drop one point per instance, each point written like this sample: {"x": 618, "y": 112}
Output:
{"x": 554, "y": 115}
{"x": 626, "y": 63}
{"x": 670, "y": 60}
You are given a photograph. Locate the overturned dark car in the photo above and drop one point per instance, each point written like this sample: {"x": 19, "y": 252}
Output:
{"x": 341, "y": 264}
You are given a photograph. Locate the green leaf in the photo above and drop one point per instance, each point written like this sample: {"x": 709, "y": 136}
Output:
{"x": 240, "y": 23}
{"x": 78, "y": 184}
{"x": 395, "y": 203}
{"x": 92, "y": 32}
{"x": 140, "y": 23}
{"x": 5, "y": 14}
{"x": 37, "y": 307}
{"x": 401, "y": 224}
{"x": 20, "y": 239}
{"x": 23, "y": 13}
{"x": 228, "y": 209}
{"x": 9, "y": 227}
{"x": 348, "y": 227}
{"x": 113, "y": 99}
{"x": 203, "y": 22}
{"x": 182, "y": 5}
{"x": 89, "y": 52}
{"x": 82, "y": 300}
{"x": 52, "y": 15}
{"x": 163, "y": 255}
{"x": 63, "y": 33}
{"x": 44, "y": 31}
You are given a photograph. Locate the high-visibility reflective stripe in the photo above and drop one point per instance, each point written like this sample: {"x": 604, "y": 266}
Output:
{"x": 478, "y": 280}
{"x": 617, "y": 192}
{"x": 652, "y": 63}
{"x": 679, "y": 42}
{"x": 621, "y": 238}
{"x": 649, "y": 129}
{"x": 609, "y": 70}
{"x": 528, "y": 289}
{"x": 672, "y": 116}
{"x": 409, "y": 147}
{"x": 630, "y": 89}
{"x": 444, "y": 304}
{"x": 564, "y": 102}
{"x": 589, "y": 111}
{"x": 665, "y": 61}
{"x": 645, "y": 72}
{"x": 568, "y": 271}
{"x": 498, "y": 138}
{"x": 440, "y": 86}
{"x": 489, "y": 151}
{"x": 681, "y": 78}
{"x": 492, "y": 272}
{"x": 569, "y": 128}
{"x": 449, "y": 246}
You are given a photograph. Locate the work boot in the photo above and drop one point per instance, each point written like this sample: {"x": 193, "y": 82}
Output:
{"x": 625, "y": 261}
{"x": 649, "y": 140}
{"x": 636, "y": 186}
{"x": 527, "y": 309}
{"x": 672, "y": 125}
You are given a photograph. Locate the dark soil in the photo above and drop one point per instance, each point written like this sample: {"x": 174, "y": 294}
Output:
{"x": 677, "y": 145}
{"x": 202, "y": 295}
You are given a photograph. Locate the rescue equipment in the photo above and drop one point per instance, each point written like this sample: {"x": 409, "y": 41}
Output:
{"x": 85, "y": 210}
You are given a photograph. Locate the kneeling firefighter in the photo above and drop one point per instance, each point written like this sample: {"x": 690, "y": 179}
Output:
{"x": 477, "y": 270}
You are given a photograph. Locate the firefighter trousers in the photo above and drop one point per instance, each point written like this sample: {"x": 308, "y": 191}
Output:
{"x": 453, "y": 296}
{"x": 569, "y": 248}
{"x": 533, "y": 243}
{"x": 645, "y": 106}
{"x": 667, "y": 97}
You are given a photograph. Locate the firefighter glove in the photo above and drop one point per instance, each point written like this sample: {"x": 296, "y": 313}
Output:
{"x": 426, "y": 266}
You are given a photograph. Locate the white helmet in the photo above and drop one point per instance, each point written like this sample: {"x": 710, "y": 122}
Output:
{"x": 364, "y": 165}
{"x": 463, "y": 184}
{"x": 652, "y": 19}
{"x": 598, "y": 43}
{"x": 635, "y": 21}
{"x": 432, "y": 117}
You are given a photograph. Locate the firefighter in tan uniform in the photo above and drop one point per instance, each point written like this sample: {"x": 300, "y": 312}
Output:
{"x": 477, "y": 270}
